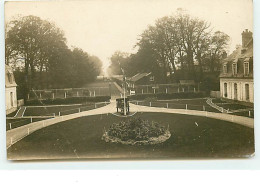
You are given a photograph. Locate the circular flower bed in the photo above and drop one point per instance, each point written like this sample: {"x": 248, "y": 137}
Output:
{"x": 136, "y": 131}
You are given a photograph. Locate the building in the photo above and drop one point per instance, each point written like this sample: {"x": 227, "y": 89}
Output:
{"x": 236, "y": 77}
{"x": 10, "y": 91}
{"x": 140, "y": 79}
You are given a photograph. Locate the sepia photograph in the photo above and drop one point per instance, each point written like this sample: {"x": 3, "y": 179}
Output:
{"x": 129, "y": 80}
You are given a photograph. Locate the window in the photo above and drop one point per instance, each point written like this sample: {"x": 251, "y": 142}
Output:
{"x": 234, "y": 68}
{"x": 151, "y": 78}
{"x": 247, "y": 91}
{"x": 235, "y": 91}
{"x": 11, "y": 99}
{"x": 10, "y": 78}
{"x": 246, "y": 68}
{"x": 225, "y": 90}
{"x": 225, "y": 68}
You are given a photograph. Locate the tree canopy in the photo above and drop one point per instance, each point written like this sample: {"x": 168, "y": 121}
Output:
{"x": 178, "y": 47}
{"x": 38, "y": 49}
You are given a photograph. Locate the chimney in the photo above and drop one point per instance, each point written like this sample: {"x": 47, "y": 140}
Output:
{"x": 246, "y": 37}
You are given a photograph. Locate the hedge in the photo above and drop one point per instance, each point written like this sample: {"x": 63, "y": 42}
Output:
{"x": 69, "y": 100}
{"x": 164, "y": 96}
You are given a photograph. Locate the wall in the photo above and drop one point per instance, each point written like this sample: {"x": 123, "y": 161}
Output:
{"x": 241, "y": 94}
{"x": 9, "y": 109}
{"x": 215, "y": 94}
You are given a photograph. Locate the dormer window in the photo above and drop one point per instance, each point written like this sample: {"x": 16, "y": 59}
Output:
{"x": 246, "y": 68}
{"x": 151, "y": 78}
{"x": 234, "y": 68}
{"x": 225, "y": 68}
{"x": 10, "y": 78}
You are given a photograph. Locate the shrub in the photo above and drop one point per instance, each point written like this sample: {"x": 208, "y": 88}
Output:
{"x": 136, "y": 129}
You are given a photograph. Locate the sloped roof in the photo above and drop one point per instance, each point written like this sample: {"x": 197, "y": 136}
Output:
{"x": 239, "y": 56}
{"x": 9, "y": 77}
{"x": 234, "y": 55}
{"x": 138, "y": 76}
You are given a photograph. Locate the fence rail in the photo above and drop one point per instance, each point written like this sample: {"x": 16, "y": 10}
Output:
{"x": 11, "y": 124}
{"x": 176, "y": 106}
{"x": 69, "y": 92}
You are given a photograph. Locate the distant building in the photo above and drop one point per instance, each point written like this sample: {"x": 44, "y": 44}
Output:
{"x": 140, "y": 79}
{"x": 236, "y": 77}
{"x": 10, "y": 91}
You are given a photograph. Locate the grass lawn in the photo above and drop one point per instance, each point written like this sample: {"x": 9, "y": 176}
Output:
{"x": 192, "y": 104}
{"x": 244, "y": 113}
{"x": 233, "y": 106}
{"x": 65, "y": 110}
{"x": 20, "y": 122}
{"x": 49, "y": 111}
{"x": 81, "y": 138}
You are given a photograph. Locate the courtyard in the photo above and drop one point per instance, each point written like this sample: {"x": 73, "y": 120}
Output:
{"x": 192, "y": 137}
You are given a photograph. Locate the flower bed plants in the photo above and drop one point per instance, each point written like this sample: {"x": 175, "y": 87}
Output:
{"x": 136, "y": 131}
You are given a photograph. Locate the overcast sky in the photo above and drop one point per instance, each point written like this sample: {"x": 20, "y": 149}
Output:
{"x": 101, "y": 27}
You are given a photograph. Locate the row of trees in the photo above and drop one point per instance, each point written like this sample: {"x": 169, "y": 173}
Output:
{"x": 38, "y": 51}
{"x": 176, "y": 47}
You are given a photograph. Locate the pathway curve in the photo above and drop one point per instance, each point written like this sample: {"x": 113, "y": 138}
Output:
{"x": 14, "y": 135}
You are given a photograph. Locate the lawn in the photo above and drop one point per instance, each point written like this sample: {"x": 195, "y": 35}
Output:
{"x": 244, "y": 113}
{"x": 81, "y": 138}
{"x": 64, "y": 110}
{"x": 51, "y": 110}
{"x": 192, "y": 104}
{"x": 14, "y": 123}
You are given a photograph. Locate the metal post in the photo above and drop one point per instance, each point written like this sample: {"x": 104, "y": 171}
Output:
{"x": 203, "y": 108}
{"x": 65, "y": 95}
{"x": 31, "y": 119}
{"x": 178, "y": 89}
{"x": 59, "y": 113}
{"x": 142, "y": 91}
{"x": 249, "y": 113}
{"x": 28, "y": 96}
{"x": 194, "y": 89}
{"x": 10, "y": 125}
{"x": 167, "y": 105}
{"x": 40, "y": 95}
{"x": 150, "y": 104}
{"x": 95, "y": 106}
{"x": 79, "y": 109}
{"x": 183, "y": 89}
{"x": 52, "y": 95}
{"x": 77, "y": 93}
{"x": 154, "y": 90}
{"x": 166, "y": 90}
{"x": 222, "y": 109}
{"x": 186, "y": 106}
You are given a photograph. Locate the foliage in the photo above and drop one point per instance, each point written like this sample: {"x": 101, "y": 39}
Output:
{"x": 177, "y": 47}
{"x": 37, "y": 49}
{"x": 136, "y": 129}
